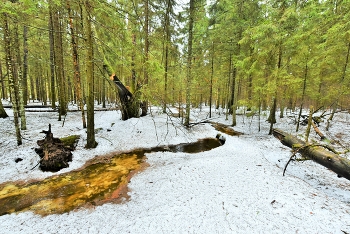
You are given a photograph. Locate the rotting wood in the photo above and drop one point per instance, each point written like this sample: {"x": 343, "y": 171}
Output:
{"x": 317, "y": 153}
{"x": 53, "y": 153}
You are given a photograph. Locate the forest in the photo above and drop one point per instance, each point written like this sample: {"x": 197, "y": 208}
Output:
{"x": 140, "y": 116}
{"x": 260, "y": 55}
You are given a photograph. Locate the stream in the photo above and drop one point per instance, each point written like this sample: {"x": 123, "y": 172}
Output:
{"x": 99, "y": 181}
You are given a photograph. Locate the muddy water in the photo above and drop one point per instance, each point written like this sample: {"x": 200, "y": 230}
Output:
{"x": 98, "y": 182}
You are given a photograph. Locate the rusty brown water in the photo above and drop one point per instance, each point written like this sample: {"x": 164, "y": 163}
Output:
{"x": 99, "y": 181}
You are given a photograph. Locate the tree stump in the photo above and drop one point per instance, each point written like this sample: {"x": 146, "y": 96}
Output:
{"x": 53, "y": 153}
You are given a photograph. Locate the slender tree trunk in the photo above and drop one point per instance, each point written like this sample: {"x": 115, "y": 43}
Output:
{"x": 12, "y": 79}
{"x": 19, "y": 78}
{"x": 59, "y": 64}
{"x": 234, "y": 95}
{"x": 166, "y": 59}
{"x": 91, "y": 142}
{"x": 76, "y": 67}
{"x": 25, "y": 65}
{"x": 303, "y": 95}
{"x": 52, "y": 58}
{"x": 272, "y": 116}
{"x": 189, "y": 64}
{"x": 3, "y": 113}
{"x": 229, "y": 102}
{"x": 211, "y": 80}
{"x": 146, "y": 30}
{"x": 133, "y": 69}
{"x": 3, "y": 88}
{"x": 309, "y": 123}
{"x": 103, "y": 93}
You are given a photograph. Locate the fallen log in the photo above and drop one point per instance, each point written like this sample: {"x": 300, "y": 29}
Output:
{"x": 317, "y": 153}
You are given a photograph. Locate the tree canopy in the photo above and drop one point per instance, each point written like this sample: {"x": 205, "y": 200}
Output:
{"x": 257, "y": 54}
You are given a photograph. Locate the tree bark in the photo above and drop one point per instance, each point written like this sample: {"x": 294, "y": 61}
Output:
{"x": 77, "y": 80}
{"x": 19, "y": 76}
{"x": 126, "y": 99}
{"x": 91, "y": 143}
{"x": 52, "y": 59}
{"x": 12, "y": 79}
{"x": 2, "y": 80}
{"x": 326, "y": 158}
{"x": 59, "y": 65}
{"x": 189, "y": 64}
{"x": 144, "y": 106}
{"x": 3, "y": 113}
{"x": 167, "y": 43}
{"x": 25, "y": 65}
{"x": 211, "y": 80}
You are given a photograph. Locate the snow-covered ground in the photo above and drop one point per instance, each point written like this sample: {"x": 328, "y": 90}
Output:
{"x": 235, "y": 188}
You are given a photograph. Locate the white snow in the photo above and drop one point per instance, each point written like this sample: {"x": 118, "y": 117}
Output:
{"x": 235, "y": 188}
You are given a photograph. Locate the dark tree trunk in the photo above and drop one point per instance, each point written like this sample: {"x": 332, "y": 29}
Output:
{"x": 3, "y": 113}
{"x": 10, "y": 62}
{"x": 144, "y": 106}
{"x": 77, "y": 79}
{"x": 90, "y": 142}
{"x": 128, "y": 107}
{"x": 25, "y": 65}
{"x": 52, "y": 60}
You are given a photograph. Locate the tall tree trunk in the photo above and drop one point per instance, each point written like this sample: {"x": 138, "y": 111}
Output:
{"x": 166, "y": 57}
{"x": 2, "y": 80}
{"x": 211, "y": 80}
{"x": 234, "y": 95}
{"x": 189, "y": 64}
{"x": 91, "y": 142}
{"x": 52, "y": 58}
{"x": 3, "y": 113}
{"x": 272, "y": 116}
{"x": 229, "y": 102}
{"x": 133, "y": 69}
{"x": 133, "y": 108}
{"x": 302, "y": 96}
{"x": 59, "y": 66}
{"x": 12, "y": 79}
{"x": 25, "y": 65}
{"x": 76, "y": 67}
{"x": 19, "y": 78}
{"x": 145, "y": 82}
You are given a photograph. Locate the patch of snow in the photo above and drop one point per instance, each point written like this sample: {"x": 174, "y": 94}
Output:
{"x": 235, "y": 188}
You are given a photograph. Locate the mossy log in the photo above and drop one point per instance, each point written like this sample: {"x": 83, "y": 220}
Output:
{"x": 317, "y": 153}
{"x": 54, "y": 154}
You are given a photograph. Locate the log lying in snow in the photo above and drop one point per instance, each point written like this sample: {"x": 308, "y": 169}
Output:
{"x": 319, "y": 154}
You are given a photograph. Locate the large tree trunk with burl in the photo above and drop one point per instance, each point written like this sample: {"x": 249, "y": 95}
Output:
{"x": 317, "y": 153}
{"x": 130, "y": 105}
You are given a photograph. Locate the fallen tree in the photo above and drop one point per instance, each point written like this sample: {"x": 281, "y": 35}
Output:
{"x": 316, "y": 152}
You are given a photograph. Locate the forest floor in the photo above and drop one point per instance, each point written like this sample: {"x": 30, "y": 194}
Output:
{"x": 234, "y": 188}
